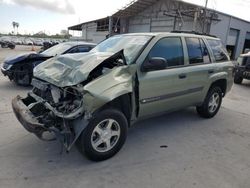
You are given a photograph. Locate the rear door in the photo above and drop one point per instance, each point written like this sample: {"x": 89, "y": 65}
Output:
{"x": 200, "y": 68}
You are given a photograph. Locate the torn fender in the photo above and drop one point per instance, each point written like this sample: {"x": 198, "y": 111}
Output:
{"x": 108, "y": 87}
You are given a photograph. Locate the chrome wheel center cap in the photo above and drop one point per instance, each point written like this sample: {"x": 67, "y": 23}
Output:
{"x": 106, "y": 135}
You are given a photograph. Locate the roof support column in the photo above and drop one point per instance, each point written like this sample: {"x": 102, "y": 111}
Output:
{"x": 110, "y": 26}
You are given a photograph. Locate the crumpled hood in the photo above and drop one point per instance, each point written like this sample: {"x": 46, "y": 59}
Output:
{"x": 21, "y": 57}
{"x": 69, "y": 69}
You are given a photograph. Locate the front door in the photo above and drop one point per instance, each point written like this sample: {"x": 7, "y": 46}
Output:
{"x": 166, "y": 89}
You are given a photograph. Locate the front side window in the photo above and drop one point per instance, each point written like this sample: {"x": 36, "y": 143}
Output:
{"x": 170, "y": 49}
{"x": 219, "y": 51}
{"x": 197, "y": 51}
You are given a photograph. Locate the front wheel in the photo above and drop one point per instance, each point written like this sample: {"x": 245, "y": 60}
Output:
{"x": 104, "y": 136}
{"x": 211, "y": 104}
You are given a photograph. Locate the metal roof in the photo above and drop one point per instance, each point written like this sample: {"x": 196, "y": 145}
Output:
{"x": 78, "y": 27}
{"x": 134, "y": 7}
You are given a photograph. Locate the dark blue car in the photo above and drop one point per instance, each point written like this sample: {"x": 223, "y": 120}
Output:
{"x": 20, "y": 68}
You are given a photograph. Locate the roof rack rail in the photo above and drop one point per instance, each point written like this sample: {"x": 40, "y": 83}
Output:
{"x": 193, "y": 32}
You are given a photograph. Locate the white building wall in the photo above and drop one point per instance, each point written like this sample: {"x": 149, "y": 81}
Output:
{"x": 90, "y": 33}
{"x": 153, "y": 19}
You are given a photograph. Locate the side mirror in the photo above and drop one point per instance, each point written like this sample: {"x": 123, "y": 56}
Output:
{"x": 153, "y": 64}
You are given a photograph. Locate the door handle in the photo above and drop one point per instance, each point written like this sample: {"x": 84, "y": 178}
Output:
{"x": 210, "y": 71}
{"x": 182, "y": 76}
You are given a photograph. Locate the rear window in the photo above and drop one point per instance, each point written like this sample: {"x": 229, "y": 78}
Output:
{"x": 219, "y": 51}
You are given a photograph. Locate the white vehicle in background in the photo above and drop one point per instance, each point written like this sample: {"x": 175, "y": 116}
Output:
{"x": 17, "y": 40}
{"x": 28, "y": 41}
{"x": 5, "y": 39}
{"x": 38, "y": 42}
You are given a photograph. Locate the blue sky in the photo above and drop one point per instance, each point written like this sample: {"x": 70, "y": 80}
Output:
{"x": 52, "y": 16}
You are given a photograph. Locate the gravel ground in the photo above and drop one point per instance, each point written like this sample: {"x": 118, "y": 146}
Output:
{"x": 175, "y": 150}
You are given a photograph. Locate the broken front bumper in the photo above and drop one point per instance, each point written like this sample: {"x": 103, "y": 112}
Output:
{"x": 27, "y": 119}
{"x": 67, "y": 135}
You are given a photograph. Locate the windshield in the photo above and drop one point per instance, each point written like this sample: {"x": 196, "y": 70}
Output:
{"x": 57, "y": 49}
{"x": 132, "y": 45}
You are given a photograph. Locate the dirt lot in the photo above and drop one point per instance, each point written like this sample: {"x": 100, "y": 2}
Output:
{"x": 178, "y": 150}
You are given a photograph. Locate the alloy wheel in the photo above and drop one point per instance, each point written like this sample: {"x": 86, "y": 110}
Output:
{"x": 105, "y": 135}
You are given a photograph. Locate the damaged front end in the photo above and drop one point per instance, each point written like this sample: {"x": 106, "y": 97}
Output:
{"x": 65, "y": 110}
{"x": 48, "y": 109}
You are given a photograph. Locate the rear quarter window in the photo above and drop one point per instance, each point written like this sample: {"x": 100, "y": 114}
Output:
{"x": 219, "y": 51}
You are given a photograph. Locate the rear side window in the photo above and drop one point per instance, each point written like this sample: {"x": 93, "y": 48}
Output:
{"x": 169, "y": 48}
{"x": 197, "y": 51}
{"x": 219, "y": 51}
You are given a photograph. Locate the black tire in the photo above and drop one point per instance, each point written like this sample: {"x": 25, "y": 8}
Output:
{"x": 204, "y": 110}
{"x": 238, "y": 79}
{"x": 12, "y": 47}
{"x": 85, "y": 141}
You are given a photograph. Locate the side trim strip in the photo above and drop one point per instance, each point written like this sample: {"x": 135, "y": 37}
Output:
{"x": 170, "y": 95}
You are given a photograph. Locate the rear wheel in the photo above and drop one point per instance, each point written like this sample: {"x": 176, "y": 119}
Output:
{"x": 104, "y": 136}
{"x": 12, "y": 47}
{"x": 211, "y": 104}
{"x": 238, "y": 79}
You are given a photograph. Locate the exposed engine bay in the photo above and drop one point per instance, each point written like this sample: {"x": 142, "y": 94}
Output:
{"x": 116, "y": 60}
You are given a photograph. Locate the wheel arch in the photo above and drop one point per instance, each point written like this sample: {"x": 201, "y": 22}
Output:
{"x": 122, "y": 103}
{"x": 222, "y": 83}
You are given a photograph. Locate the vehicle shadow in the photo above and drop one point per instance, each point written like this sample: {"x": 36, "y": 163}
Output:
{"x": 11, "y": 86}
{"x": 246, "y": 83}
{"x": 143, "y": 138}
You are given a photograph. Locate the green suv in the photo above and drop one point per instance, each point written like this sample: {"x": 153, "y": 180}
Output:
{"x": 92, "y": 99}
